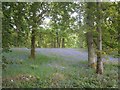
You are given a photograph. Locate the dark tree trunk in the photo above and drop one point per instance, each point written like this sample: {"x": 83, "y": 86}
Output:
{"x": 63, "y": 42}
{"x": 99, "y": 69}
{"x": 54, "y": 45}
{"x": 33, "y": 44}
{"x": 57, "y": 40}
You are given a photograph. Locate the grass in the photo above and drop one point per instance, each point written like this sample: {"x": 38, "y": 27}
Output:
{"x": 54, "y": 71}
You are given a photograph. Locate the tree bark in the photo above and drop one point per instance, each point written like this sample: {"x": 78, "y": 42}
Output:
{"x": 33, "y": 44}
{"x": 89, "y": 35}
{"x": 91, "y": 52}
{"x": 63, "y": 42}
{"x": 57, "y": 40}
{"x": 99, "y": 69}
{"x": 54, "y": 45}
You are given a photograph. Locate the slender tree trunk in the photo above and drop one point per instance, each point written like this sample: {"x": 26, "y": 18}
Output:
{"x": 54, "y": 45}
{"x": 33, "y": 44}
{"x": 99, "y": 69}
{"x": 63, "y": 42}
{"x": 91, "y": 52}
{"x": 57, "y": 40}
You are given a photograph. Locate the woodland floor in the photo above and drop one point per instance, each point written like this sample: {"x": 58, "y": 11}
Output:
{"x": 56, "y": 67}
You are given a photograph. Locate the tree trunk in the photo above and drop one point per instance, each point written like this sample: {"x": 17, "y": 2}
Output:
{"x": 54, "y": 45}
{"x": 33, "y": 44}
{"x": 57, "y": 40}
{"x": 99, "y": 49}
{"x": 91, "y": 52}
{"x": 63, "y": 42}
{"x": 99, "y": 69}
{"x": 89, "y": 35}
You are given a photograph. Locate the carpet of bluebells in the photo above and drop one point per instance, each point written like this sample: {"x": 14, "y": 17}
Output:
{"x": 56, "y": 68}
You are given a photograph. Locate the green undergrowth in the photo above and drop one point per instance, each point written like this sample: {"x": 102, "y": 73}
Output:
{"x": 55, "y": 72}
